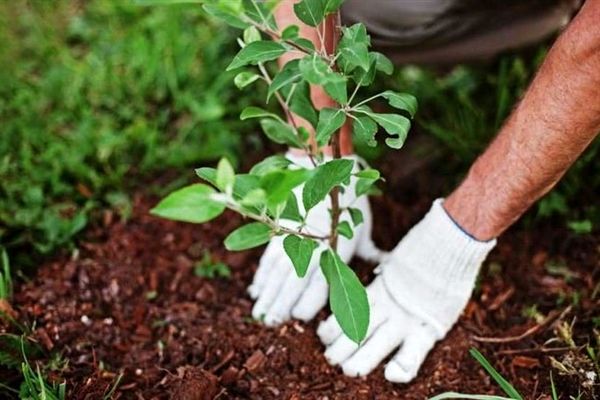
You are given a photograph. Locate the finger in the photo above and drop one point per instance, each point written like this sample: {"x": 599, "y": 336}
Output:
{"x": 313, "y": 299}
{"x": 406, "y": 363}
{"x": 270, "y": 289}
{"x": 265, "y": 265}
{"x": 329, "y": 330}
{"x": 343, "y": 348}
{"x": 290, "y": 292}
{"x": 381, "y": 343}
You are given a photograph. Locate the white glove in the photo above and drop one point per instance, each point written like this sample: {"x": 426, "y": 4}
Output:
{"x": 423, "y": 286}
{"x": 280, "y": 293}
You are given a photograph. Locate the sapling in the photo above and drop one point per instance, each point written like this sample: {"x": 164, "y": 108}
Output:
{"x": 265, "y": 195}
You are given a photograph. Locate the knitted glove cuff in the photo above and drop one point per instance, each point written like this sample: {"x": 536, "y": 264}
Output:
{"x": 432, "y": 271}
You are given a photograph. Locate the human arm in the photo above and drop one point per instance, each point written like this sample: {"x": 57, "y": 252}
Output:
{"x": 426, "y": 282}
{"x": 551, "y": 126}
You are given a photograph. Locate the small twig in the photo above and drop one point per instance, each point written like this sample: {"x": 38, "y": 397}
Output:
{"x": 543, "y": 350}
{"x": 555, "y": 316}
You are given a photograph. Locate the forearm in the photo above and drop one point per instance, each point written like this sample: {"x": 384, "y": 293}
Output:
{"x": 555, "y": 121}
{"x": 325, "y": 38}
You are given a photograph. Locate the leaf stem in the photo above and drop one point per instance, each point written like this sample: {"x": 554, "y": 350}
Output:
{"x": 231, "y": 204}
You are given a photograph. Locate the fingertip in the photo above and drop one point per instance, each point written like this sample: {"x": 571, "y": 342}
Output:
{"x": 394, "y": 372}
{"x": 328, "y": 330}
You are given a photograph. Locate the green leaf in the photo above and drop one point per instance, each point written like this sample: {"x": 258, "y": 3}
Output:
{"x": 256, "y": 52}
{"x": 364, "y": 127}
{"x": 330, "y": 120}
{"x": 280, "y": 132}
{"x": 355, "y": 55}
{"x": 356, "y": 33}
{"x": 254, "y": 198}
{"x": 368, "y": 173}
{"x": 258, "y": 12}
{"x": 335, "y": 87}
{"x": 244, "y": 79}
{"x": 365, "y": 78}
{"x": 243, "y": 182}
{"x": 269, "y": 164}
{"x": 356, "y": 215}
{"x": 300, "y": 251}
{"x": 303, "y": 42}
{"x": 315, "y": 70}
{"x": 228, "y": 16}
{"x": 332, "y": 6}
{"x": 257, "y": 112}
{"x": 345, "y": 230}
{"x": 300, "y": 102}
{"x": 311, "y": 12}
{"x": 290, "y": 73}
{"x": 504, "y": 384}
{"x": 291, "y": 211}
{"x": 353, "y": 48}
{"x": 248, "y": 236}
{"x": 225, "y": 176}
{"x": 402, "y": 101}
{"x": 366, "y": 179}
{"x": 290, "y": 32}
{"x": 190, "y": 204}
{"x": 581, "y": 227}
{"x": 325, "y": 178}
{"x": 395, "y": 125}
{"x": 251, "y": 34}
{"x": 279, "y": 184}
{"x": 347, "y": 296}
{"x": 382, "y": 63}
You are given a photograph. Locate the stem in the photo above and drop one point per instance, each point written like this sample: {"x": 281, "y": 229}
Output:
{"x": 232, "y": 205}
{"x": 335, "y": 144}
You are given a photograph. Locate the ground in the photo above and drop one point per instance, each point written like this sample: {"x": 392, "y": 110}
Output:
{"x": 128, "y": 302}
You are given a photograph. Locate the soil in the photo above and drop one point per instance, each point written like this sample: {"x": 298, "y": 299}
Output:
{"x": 128, "y": 302}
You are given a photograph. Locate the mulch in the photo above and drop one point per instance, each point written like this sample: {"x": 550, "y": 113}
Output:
{"x": 128, "y": 302}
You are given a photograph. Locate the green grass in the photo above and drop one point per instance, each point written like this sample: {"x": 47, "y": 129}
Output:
{"x": 97, "y": 96}
{"x": 505, "y": 385}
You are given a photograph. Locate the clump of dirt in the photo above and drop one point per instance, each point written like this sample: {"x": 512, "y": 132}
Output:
{"x": 128, "y": 302}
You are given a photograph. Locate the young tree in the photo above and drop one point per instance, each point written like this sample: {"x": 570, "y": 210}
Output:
{"x": 266, "y": 194}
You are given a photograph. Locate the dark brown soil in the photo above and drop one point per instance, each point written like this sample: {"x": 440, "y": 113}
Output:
{"x": 129, "y": 302}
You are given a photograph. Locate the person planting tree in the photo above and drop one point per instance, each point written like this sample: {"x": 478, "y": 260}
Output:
{"x": 424, "y": 283}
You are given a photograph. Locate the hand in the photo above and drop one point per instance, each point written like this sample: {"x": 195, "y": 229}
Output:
{"x": 280, "y": 294}
{"x": 423, "y": 286}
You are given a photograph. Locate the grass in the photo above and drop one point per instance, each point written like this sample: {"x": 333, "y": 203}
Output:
{"x": 6, "y": 284}
{"x": 505, "y": 385}
{"x": 95, "y": 97}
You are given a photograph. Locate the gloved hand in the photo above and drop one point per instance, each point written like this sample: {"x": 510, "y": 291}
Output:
{"x": 280, "y": 294}
{"x": 420, "y": 292}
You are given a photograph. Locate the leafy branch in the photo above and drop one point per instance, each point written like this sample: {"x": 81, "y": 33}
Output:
{"x": 271, "y": 193}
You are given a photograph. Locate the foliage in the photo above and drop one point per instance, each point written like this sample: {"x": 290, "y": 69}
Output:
{"x": 263, "y": 195}
{"x": 6, "y": 284}
{"x": 95, "y": 97}
{"x": 506, "y": 386}
{"x": 208, "y": 268}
